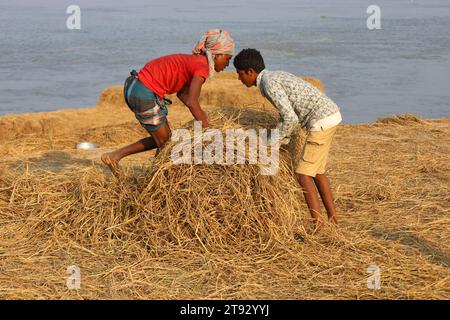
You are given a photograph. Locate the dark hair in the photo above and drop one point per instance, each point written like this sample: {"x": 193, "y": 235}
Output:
{"x": 249, "y": 58}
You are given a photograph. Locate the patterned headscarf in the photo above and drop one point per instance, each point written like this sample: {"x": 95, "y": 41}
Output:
{"x": 214, "y": 41}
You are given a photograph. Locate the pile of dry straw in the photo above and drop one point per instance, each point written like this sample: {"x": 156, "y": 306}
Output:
{"x": 191, "y": 231}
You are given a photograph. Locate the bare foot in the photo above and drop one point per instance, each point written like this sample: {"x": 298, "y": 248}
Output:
{"x": 111, "y": 162}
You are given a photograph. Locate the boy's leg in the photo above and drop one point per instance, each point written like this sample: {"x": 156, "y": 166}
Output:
{"x": 323, "y": 185}
{"x": 311, "y": 197}
{"x": 157, "y": 140}
{"x": 312, "y": 164}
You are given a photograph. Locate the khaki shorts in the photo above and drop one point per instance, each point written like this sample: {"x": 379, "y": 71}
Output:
{"x": 315, "y": 152}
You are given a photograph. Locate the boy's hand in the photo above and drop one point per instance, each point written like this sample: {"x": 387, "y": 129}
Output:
{"x": 268, "y": 140}
{"x": 285, "y": 141}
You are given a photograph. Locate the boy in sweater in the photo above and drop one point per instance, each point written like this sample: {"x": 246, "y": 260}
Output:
{"x": 298, "y": 101}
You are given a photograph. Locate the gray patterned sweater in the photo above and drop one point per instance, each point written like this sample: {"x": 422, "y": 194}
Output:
{"x": 296, "y": 100}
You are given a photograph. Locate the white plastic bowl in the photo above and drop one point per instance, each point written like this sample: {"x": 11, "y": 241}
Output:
{"x": 86, "y": 145}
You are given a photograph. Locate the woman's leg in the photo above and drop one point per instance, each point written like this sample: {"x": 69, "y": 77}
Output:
{"x": 162, "y": 135}
{"x": 157, "y": 140}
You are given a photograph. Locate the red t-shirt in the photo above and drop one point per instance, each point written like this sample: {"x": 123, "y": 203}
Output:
{"x": 168, "y": 74}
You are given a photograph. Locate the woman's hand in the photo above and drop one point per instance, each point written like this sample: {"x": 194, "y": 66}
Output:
{"x": 190, "y": 96}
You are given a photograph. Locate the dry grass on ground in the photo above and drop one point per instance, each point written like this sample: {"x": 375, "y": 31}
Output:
{"x": 165, "y": 231}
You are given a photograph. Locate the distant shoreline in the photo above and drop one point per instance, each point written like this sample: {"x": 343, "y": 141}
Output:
{"x": 223, "y": 90}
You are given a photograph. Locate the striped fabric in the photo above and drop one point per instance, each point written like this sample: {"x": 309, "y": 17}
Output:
{"x": 214, "y": 41}
{"x": 149, "y": 109}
